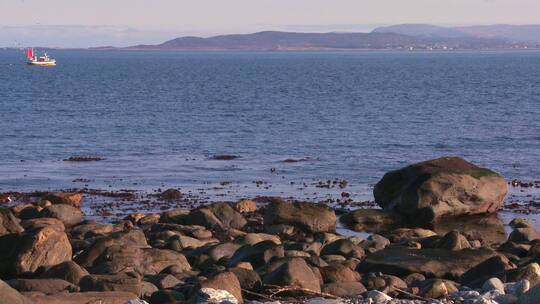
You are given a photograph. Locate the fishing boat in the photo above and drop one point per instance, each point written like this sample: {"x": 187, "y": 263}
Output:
{"x": 44, "y": 60}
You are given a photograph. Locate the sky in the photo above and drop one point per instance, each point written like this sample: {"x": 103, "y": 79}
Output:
{"x": 81, "y": 23}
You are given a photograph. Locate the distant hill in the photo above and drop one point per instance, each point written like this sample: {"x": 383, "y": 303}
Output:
{"x": 377, "y": 40}
{"x": 422, "y": 30}
{"x": 509, "y": 33}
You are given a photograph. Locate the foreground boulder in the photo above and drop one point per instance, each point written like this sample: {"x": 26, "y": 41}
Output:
{"x": 225, "y": 281}
{"x": 46, "y": 286}
{"x": 11, "y": 296}
{"x": 295, "y": 272}
{"x": 151, "y": 261}
{"x": 46, "y": 247}
{"x": 437, "y": 263}
{"x": 306, "y": 216}
{"x": 68, "y": 271}
{"x": 448, "y": 186}
{"x": 114, "y": 282}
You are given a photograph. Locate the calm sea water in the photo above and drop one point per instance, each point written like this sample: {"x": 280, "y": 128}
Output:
{"x": 158, "y": 117}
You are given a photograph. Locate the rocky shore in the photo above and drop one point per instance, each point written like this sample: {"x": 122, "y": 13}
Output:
{"x": 434, "y": 239}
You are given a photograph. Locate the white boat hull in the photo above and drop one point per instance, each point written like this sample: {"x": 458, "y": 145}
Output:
{"x": 42, "y": 63}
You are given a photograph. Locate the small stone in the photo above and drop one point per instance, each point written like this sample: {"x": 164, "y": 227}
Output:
{"x": 377, "y": 296}
{"x": 171, "y": 194}
{"x": 214, "y": 296}
{"x": 493, "y": 284}
{"x": 246, "y": 206}
{"x": 521, "y": 223}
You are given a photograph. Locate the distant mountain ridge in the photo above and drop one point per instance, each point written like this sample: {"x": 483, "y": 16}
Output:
{"x": 380, "y": 39}
{"x": 509, "y": 33}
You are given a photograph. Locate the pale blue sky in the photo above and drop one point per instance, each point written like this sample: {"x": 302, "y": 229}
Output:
{"x": 125, "y": 21}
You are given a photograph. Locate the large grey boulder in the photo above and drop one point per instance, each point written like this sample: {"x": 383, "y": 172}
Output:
{"x": 448, "y": 186}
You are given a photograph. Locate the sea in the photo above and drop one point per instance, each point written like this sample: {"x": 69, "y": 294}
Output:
{"x": 298, "y": 123}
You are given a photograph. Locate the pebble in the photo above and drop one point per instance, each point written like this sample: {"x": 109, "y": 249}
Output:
{"x": 493, "y": 284}
{"x": 377, "y": 297}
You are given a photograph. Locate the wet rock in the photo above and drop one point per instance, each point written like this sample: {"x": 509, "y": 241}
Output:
{"x": 344, "y": 289}
{"x": 218, "y": 216}
{"x": 38, "y": 223}
{"x": 171, "y": 194}
{"x": 370, "y": 220}
{"x": 429, "y": 262}
{"x": 46, "y": 286}
{"x": 245, "y": 206}
{"x": 408, "y": 234}
{"x": 493, "y": 267}
{"x": 343, "y": 247}
{"x": 149, "y": 261}
{"x": 110, "y": 297}
{"x": 521, "y": 223}
{"x": 254, "y": 238}
{"x": 147, "y": 289}
{"x": 112, "y": 282}
{"x": 224, "y": 157}
{"x": 65, "y": 198}
{"x": 519, "y": 250}
{"x": 294, "y": 272}
{"x": 130, "y": 238}
{"x": 375, "y": 242}
{"x": 524, "y": 235}
{"x": 414, "y": 278}
{"x": 68, "y": 214}
{"x": 225, "y": 281}
{"x": 258, "y": 255}
{"x": 166, "y": 296}
{"x": 454, "y": 240}
{"x": 26, "y": 211}
{"x": 165, "y": 281}
{"x": 46, "y": 247}
{"x": 175, "y": 216}
{"x": 214, "y": 296}
{"x": 339, "y": 273}
{"x": 249, "y": 279}
{"x": 68, "y": 271}
{"x": 8, "y": 222}
{"x": 441, "y": 187}
{"x": 383, "y": 282}
{"x": 489, "y": 229}
{"x": 436, "y": 288}
{"x": 308, "y": 216}
{"x": 90, "y": 229}
{"x": 530, "y": 272}
{"x": 11, "y": 296}
{"x": 223, "y": 250}
{"x": 313, "y": 248}
{"x": 180, "y": 242}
